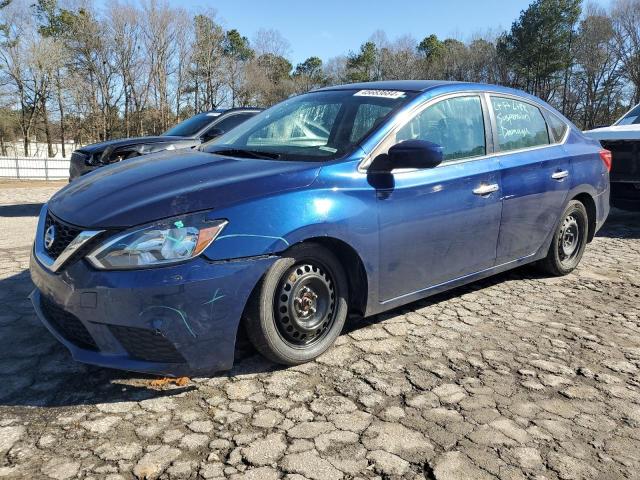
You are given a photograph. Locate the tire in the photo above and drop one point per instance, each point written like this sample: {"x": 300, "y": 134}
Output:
{"x": 569, "y": 241}
{"x": 299, "y": 307}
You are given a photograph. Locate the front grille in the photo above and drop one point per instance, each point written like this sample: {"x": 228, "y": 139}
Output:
{"x": 67, "y": 325}
{"x": 64, "y": 235}
{"x": 147, "y": 345}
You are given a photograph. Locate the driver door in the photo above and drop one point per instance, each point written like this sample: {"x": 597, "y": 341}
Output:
{"x": 442, "y": 223}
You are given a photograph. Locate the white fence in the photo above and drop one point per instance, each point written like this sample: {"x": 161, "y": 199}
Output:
{"x": 34, "y": 168}
{"x": 37, "y": 149}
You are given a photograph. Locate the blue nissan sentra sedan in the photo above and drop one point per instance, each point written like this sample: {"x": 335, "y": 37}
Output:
{"x": 354, "y": 198}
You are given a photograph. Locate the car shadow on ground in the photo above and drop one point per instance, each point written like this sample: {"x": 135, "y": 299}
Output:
{"x": 621, "y": 224}
{"x": 35, "y": 370}
{"x": 21, "y": 210}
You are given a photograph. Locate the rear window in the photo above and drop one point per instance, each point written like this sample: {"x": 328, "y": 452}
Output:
{"x": 519, "y": 124}
{"x": 191, "y": 126}
{"x": 631, "y": 118}
{"x": 232, "y": 121}
{"x": 558, "y": 127}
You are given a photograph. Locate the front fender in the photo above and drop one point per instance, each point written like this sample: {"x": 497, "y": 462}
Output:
{"x": 340, "y": 205}
{"x": 268, "y": 226}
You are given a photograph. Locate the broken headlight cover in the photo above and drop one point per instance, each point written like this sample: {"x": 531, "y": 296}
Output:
{"x": 164, "y": 242}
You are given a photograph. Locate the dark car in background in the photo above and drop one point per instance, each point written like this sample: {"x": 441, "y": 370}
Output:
{"x": 187, "y": 134}
{"x": 623, "y": 140}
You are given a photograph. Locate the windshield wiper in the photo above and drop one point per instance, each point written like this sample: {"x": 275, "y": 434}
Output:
{"x": 239, "y": 152}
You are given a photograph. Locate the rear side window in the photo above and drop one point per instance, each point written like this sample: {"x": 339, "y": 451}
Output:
{"x": 457, "y": 124}
{"x": 519, "y": 124}
{"x": 557, "y": 126}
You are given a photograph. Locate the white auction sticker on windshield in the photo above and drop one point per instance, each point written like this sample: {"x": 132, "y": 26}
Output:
{"x": 213, "y": 114}
{"x": 379, "y": 93}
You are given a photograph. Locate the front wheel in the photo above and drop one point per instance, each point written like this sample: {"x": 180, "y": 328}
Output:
{"x": 569, "y": 241}
{"x": 299, "y": 307}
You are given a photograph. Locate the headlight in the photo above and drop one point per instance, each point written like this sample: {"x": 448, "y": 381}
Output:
{"x": 168, "y": 241}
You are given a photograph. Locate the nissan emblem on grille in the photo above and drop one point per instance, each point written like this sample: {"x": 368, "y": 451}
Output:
{"x": 50, "y": 237}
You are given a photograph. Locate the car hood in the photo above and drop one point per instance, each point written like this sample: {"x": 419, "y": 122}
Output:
{"x": 124, "y": 142}
{"x": 615, "y": 132}
{"x": 161, "y": 185}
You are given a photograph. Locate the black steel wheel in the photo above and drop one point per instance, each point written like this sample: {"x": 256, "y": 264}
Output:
{"x": 305, "y": 304}
{"x": 299, "y": 307}
{"x": 569, "y": 241}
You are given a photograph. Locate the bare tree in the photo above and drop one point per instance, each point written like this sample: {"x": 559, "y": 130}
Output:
{"x": 598, "y": 76}
{"x": 626, "y": 24}
{"x": 184, "y": 53}
{"x": 270, "y": 41}
{"x": 126, "y": 31}
{"x": 95, "y": 67}
{"x": 159, "y": 34}
{"x": 398, "y": 59}
{"x": 69, "y": 69}
{"x": 25, "y": 67}
{"x": 208, "y": 63}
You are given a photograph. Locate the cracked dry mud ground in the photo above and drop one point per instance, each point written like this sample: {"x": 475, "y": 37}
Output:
{"x": 518, "y": 376}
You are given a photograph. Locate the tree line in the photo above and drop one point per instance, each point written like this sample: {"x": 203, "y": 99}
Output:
{"x": 71, "y": 71}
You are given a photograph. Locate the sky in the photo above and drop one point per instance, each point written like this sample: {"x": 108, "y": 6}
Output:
{"x": 328, "y": 28}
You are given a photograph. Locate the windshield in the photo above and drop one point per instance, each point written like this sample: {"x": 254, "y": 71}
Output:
{"x": 316, "y": 126}
{"x": 631, "y": 118}
{"x": 191, "y": 126}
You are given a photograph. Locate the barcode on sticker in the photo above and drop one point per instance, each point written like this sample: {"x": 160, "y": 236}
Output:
{"x": 379, "y": 93}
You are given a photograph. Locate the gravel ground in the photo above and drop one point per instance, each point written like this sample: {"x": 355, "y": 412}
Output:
{"x": 515, "y": 377}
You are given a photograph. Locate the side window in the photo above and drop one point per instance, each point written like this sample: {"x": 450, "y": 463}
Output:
{"x": 557, "y": 126}
{"x": 457, "y": 124}
{"x": 519, "y": 124}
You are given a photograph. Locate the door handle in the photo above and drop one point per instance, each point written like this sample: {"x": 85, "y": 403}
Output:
{"x": 560, "y": 175}
{"x": 485, "y": 189}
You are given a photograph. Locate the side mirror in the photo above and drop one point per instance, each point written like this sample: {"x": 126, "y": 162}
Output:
{"x": 416, "y": 154}
{"x": 211, "y": 134}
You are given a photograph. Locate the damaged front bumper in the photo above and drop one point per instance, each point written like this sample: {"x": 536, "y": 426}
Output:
{"x": 175, "y": 320}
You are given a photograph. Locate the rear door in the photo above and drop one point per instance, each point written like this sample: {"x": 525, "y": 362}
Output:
{"x": 535, "y": 175}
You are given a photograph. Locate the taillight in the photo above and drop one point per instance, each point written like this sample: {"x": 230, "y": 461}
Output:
{"x": 607, "y": 158}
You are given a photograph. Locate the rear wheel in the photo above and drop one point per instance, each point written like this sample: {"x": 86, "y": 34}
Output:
{"x": 569, "y": 241}
{"x": 299, "y": 307}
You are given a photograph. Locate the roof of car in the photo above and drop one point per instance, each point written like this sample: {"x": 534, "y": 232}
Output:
{"x": 406, "y": 85}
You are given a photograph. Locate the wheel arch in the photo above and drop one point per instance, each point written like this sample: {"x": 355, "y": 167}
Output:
{"x": 353, "y": 267}
{"x": 355, "y": 272}
{"x": 590, "y": 205}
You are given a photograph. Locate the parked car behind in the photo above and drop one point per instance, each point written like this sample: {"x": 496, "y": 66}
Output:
{"x": 623, "y": 140}
{"x": 187, "y": 134}
{"x": 354, "y": 198}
